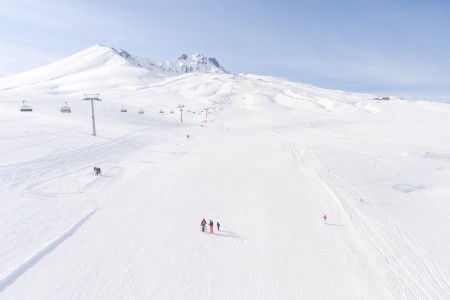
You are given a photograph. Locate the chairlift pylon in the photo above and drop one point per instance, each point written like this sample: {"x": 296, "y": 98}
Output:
{"x": 25, "y": 107}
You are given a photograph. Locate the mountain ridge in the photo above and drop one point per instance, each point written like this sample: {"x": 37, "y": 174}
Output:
{"x": 96, "y": 66}
{"x": 184, "y": 64}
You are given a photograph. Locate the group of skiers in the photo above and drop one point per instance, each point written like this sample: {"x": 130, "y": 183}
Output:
{"x": 211, "y": 226}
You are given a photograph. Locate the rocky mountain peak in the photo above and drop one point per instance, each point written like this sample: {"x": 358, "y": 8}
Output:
{"x": 194, "y": 63}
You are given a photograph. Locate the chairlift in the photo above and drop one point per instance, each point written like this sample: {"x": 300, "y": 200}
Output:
{"x": 141, "y": 111}
{"x": 25, "y": 107}
{"x": 66, "y": 109}
{"x": 123, "y": 109}
{"x": 161, "y": 111}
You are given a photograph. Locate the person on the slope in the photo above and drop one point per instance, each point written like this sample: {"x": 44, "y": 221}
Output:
{"x": 203, "y": 223}
{"x": 218, "y": 226}
{"x": 211, "y": 226}
{"x": 325, "y": 219}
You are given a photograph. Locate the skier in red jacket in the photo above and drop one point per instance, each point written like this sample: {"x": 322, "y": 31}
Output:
{"x": 211, "y": 226}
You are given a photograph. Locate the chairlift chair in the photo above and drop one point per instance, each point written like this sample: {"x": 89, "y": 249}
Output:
{"x": 123, "y": 109}
{"x": 161, "y": 111}
{"x": 66, "y": 109}
{"x": 25, "y": 107}
{"x": 141, "y": 111}
{"x": 172, "y": 111}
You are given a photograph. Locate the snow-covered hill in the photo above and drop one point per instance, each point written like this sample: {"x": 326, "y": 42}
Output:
{"x": 270, "y": 159}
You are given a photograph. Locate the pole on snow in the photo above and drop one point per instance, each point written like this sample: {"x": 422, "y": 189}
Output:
{"x": 206, "y": 111}
{"x": 92, "y": 98}
{"x": 180, "y": 106}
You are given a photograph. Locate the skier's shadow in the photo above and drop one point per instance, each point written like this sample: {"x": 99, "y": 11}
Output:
{"x": 229, "y": 234}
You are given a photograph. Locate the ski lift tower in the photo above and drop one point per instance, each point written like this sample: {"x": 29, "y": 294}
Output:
{"x": 92, "y": 98}
{"x": 206, "y": 112}
{"x": 180, "y": 106}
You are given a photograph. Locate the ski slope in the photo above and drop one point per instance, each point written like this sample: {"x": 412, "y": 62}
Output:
{"x": 268, "y": 165}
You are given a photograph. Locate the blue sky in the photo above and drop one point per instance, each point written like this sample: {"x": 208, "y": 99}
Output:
{"x": 382, "y": 47}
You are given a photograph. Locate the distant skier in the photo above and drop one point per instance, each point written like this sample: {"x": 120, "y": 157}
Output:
{"x": 203, "y": 223}
{"x": 325, "y": 219}
{"x": 211, "y": 226}
{"x": 218, "y": 226}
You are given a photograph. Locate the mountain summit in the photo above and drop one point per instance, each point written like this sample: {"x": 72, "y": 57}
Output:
{"x": 101, "y": 66}
{"x": 184, "y": 64}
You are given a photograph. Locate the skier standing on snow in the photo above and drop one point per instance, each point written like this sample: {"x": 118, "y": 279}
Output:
{"x": 211, "y": 226}
{"x": 203, "y": 223}
{"x": 325, "y": 219}
{"x": 218, "y": 226}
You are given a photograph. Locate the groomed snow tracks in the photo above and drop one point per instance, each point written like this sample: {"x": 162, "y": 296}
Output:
{"x": 413, "y": 273}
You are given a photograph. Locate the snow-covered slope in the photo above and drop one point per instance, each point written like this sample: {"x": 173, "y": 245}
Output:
{"x": 268, "y": 162}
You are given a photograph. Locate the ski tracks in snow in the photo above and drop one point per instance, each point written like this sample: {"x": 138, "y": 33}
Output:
{"x": 33, "y": 260}
{"x": 54, "y": 166}
{"x": 413, "y": 273}
{"x": 402, "y": 173}
{"x": 60, "y": 176}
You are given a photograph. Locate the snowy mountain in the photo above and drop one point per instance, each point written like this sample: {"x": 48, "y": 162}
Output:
{"x": 184, "y": 64}
{"x": 99, "y": 66}
{"x": 264, "y": 156}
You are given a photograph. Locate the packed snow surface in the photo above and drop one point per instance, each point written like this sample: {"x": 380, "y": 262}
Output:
{"x": 270, "y": 159}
